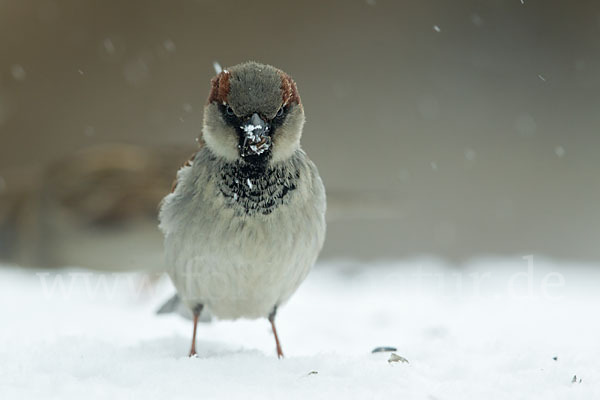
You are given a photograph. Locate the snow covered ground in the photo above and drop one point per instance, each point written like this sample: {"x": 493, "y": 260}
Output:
{"x": 495, "y": 329}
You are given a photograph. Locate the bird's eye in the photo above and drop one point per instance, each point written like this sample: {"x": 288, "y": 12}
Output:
{"x": 280, "y": 112}
{"x": 229, "y": 110}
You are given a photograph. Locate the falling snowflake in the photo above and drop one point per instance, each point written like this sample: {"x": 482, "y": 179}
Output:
{"x": 18, "y": 72}
{"x": 169, "y": 46}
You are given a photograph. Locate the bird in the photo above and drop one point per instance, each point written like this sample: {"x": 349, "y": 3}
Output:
{"x": 245, "y": 220}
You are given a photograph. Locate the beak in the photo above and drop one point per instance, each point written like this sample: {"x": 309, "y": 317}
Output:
{"x": 256, "y": 136}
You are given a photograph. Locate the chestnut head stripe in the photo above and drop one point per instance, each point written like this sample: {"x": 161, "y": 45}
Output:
{"x": 219, "y": 88}
{"x": 289, "y": 92}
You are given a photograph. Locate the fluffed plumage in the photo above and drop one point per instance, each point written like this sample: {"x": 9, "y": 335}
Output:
{"x": 246, "y": 219}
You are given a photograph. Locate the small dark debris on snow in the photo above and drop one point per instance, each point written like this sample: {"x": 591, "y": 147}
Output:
{"x": 312, "y": 373}
{"x": 574, "y": 380}
{"x": 555, "y": 358}
{"x": 383, "y": 349}
{"x": 395, "y": 358}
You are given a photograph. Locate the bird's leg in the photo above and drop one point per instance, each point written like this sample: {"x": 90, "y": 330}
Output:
{"x": 272, "y": 321}
{"x": 197, "y": 310}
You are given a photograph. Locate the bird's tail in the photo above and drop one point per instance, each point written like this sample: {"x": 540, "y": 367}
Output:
{"x": 176, "y": 306}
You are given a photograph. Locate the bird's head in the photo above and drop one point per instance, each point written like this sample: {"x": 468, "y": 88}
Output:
{"x": 254, "y": 114}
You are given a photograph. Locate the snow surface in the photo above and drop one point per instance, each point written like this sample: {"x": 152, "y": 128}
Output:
{"x": 485, "y": 331}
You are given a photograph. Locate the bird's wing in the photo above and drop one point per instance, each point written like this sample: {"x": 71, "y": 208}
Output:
{"x": 188, "y": 163}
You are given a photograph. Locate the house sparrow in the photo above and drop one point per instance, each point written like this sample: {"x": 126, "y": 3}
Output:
{"x": 246, "y": 217}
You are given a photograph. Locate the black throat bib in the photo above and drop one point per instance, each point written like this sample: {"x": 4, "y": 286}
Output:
{"x": 256, "y": 187}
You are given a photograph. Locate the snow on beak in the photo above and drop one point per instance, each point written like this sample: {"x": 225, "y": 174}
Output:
{"x": 256, "y": 136}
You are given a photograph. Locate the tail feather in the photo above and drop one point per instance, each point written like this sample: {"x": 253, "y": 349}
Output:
{"x": 176, "y": 306}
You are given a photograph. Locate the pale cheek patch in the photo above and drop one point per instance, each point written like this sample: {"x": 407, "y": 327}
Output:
{"x": 220, "y": 138}
{"x": 221, "y": 145}
{"x": 287, "y": 138}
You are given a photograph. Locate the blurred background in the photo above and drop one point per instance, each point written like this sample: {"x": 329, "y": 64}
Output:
{"x": 452, "y": 129}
